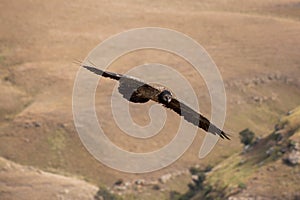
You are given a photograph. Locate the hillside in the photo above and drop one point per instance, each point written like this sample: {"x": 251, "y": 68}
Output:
{"x": 273, "y": 162}
{"x": 269, "y": 168}
{"x": 255, "y": 45}
{"x": 23, "y": 182}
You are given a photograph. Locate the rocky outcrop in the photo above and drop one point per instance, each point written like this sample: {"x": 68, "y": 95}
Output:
{"x": 293, "y": 157}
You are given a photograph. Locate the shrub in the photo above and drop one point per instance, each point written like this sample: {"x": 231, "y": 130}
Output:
{"x": 246, "y": 136}
{"x": 103, "y": 193}
{"x": 242, "y": 186}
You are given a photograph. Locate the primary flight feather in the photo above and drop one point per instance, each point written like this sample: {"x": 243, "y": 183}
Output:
{"x": 137, "y": 91}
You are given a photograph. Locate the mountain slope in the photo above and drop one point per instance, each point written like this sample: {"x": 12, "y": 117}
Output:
{"x": 26, "y": 183}
{"x": 267, "y": 169}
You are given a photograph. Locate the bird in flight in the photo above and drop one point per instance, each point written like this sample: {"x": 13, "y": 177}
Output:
{"x": 137, "y": 91}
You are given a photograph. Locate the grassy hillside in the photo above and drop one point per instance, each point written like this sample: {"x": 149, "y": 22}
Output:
{"x": 262, "y": 166}
{"x": 254, "y": 44}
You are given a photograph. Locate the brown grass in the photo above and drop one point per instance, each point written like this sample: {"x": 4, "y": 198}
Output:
{"x": 39, "y": 42}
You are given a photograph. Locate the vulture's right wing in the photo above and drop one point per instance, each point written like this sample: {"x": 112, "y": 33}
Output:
{"x": 195, "y": 118}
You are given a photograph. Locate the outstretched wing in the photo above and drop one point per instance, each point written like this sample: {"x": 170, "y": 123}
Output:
{"x": 131, "y": 88}
{"x": 104, "y": 73}
{"x": 137, "y": 91}
{"x": 195, "y": 118}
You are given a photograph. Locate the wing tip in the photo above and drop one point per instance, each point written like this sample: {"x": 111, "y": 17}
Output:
{"x": 92, "y": 69}
{"x": 100, "y": 72}
{"x": 215, "y": 130}
{"x": 224, "y": 135}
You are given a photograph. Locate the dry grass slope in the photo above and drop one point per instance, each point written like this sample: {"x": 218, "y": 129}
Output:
{"x": 22, "y": 182}
{"x": 255, "y": 45}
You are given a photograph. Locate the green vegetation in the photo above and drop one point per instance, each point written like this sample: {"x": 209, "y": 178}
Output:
{"x": 235, "y": 171}
{"x": 2, "y": 59}
{"x": 247, "y": 137}
{"x": 242, "y": 185}
{"x": 57, "y": 140}
{"x": 199, "y": 189}
{"x": 290, "y": 122}
{"x": 232, "y": 171}
{"x": 104, "y": 194}
{"x": 196, "y": 170}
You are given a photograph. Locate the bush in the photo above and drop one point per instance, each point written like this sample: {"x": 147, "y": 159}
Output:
{"x": 195, "y": 170}
{"x": 103, "y": 193}
{"x": 246, "y": 136}
{"x": 156, "y": 187}
{"x": 174, "y": 195}
{"x": 199, "y": 189}
{"x": 242, "y": 185}
{"x": 208, "y": 168}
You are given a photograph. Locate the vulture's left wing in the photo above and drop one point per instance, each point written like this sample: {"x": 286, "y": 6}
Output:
{"x": 131, "y": 88}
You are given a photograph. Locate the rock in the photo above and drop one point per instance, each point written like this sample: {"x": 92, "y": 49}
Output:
{"x": 271, "y": 168}
{"x": 288, "y": 80}
{"x": 151, "y": 183}
{"x": 241, "y": 198}
{"x": 270, "y": 151}
{"x": 242, "y": 161}
{"x": 265, "y": 98}
{"x": 119, "y": 182}
{"x": 36, "y": 124}
{"x": 277, "y": 76}
{"x": 256, "y": 81}
{"x": 120, "y": 187}
{"x": 127, "y": 184}
{"x": 140, "y": 182}
{"x": 246, "y": 148}
{"x": 260, "y": 163}
{"x": 293, "y": 158}
{"x": 26, "y": 140}
{"x": 26, "y": 125}
{"x": 256, "y": 141}
{"x": 283, "y": 150}
{"x": 274, "y": 96}
{"x": 257, "y": 99}
{"x": 165, "y": 178}
{"x": 270, "y": 77}
{"x": 195, "y": 177}
{"x": 98, "y": 198}
{"x": 290, "y": 112}
{"x": 297, "y": 146}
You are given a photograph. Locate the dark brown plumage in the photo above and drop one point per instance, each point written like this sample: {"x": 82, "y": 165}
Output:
{"x": 136, "y": 91}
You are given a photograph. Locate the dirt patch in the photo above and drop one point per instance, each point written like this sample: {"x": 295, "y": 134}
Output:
{"x": 22, "y": 182}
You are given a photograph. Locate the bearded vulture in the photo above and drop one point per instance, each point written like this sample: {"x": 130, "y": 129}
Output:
{"x": 137, "y": 91}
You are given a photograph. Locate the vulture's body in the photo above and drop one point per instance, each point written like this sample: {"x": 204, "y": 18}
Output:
{"x": 137, "y": 91}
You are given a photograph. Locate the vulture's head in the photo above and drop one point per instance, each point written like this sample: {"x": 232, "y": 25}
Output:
{"x": 165, "y": 96}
